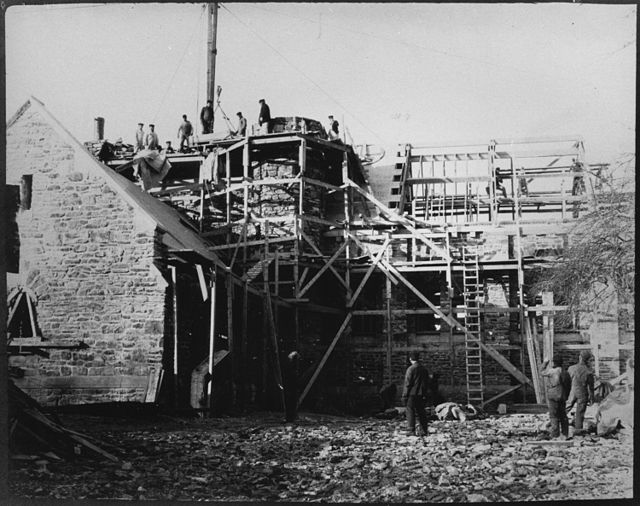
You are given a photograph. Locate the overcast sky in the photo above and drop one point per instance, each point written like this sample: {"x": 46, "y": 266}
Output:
{"x": 425, "y": 73}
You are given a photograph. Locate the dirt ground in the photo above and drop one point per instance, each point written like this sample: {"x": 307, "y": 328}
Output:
{"x": 322, "y": 458}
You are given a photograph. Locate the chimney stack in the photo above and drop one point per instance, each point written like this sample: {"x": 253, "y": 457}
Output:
{"x": 99, "y": 128}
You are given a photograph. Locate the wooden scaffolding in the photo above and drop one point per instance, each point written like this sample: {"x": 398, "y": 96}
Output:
{"x": 290, "y": 214}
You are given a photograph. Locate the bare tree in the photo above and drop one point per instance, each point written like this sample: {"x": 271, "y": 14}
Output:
{"x": 600, "y": 256}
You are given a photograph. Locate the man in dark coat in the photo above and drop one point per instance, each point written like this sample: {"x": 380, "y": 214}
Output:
{"x": 558, "y": 384}
{"x": 582, "y": 393}
{"x": 206, "y": 118}
{"x": 264, "y": 119}
{"x": 416, "y": 385}
{"x": 291, "y": 373}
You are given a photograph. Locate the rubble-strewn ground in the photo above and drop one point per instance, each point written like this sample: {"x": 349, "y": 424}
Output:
{"x": 321, "y": 458}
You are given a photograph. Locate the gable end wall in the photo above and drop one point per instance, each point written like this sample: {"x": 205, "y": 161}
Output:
{"x": 88, "y": 256}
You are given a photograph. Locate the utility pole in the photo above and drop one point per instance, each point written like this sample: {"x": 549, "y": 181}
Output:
{"x": 211, "y": 50}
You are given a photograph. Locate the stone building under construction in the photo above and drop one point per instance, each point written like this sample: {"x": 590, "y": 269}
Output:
{"x": 287, "y": 242}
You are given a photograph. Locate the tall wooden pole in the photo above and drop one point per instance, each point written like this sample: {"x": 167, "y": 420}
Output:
{"x": 212, "y": 339}
{"x": 212, "y": 29}
{"x": 174, "y": 279}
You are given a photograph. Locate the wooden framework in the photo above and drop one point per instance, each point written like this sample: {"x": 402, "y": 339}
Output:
{"x": 449, "y": 196}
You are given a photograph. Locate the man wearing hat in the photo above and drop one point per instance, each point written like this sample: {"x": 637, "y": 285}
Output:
{"x": 139, "y": 145}
{"x": 414, "y": 393}
{"x": 152, "y": 141}
{"x": 264, "y": 118}
{"x": 581, "y": 388}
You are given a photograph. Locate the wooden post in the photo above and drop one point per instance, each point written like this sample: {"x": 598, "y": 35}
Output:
{"x": 202, "y": 207}
{"x": 347, "y": 220}
{"x": 302, "y": 161}
{"x": 389, "y": 316}
{"x": 212, "y": 338}
{"x": 245, "y": 342}
{"x": 231, "y": 341}
{"x": 174, "y": 280}
{"x": 212, "y": 26}
{"x": 274, "y": 335}
{"x": 547, "y": 327}
{"x": 276, "y": 290}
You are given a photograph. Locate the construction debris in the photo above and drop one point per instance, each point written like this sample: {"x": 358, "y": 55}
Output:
{"x": 334, "y": 459}
{"x": 32, "y": 431}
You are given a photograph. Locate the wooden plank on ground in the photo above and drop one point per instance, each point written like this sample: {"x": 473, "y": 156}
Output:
{"x": 153, "y": 384}
{"x": 501, "y": 394}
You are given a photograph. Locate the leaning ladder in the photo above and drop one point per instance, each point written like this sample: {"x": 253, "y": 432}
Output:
{"x": 436, "y": 207}
{"x": 473, "y": 292}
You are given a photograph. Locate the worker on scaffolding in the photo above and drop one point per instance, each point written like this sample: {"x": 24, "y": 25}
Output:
{"x": 264, "y": 118}
{"x": 151, "y": 140}
{"x": 184, "y": 132}
{"x": 578, "y": 186}
{"x": 206, "y": 117}
{"x": 333, "y": 132}
{"x": 242, "y": 125}
{"x": 139, "y": 144}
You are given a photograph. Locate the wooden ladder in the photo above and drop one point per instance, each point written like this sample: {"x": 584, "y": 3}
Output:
{"x": 472, "y": 291}
{"x": 436, "y": 207}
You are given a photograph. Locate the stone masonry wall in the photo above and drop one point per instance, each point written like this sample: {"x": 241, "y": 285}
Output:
{"x": 89, "y": 258}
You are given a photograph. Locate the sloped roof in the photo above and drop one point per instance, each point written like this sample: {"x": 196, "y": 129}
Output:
{"x": 181, "y": 235}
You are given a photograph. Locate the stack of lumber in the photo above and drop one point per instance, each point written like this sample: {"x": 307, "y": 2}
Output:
{"x": 32, "y": 431}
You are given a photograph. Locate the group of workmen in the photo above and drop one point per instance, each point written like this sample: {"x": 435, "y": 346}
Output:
{"x": 185, "y": 130}
{"x": 564, "y": 388}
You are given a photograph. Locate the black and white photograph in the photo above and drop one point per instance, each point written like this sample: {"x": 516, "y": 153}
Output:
{"x": 319, "y": 252}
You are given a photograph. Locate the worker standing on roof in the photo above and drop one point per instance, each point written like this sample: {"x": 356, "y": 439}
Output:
{"x": 242, "y": 125}
{"x": 264, "y": 119}
{"x": 152, "y": 141}
{"x": 333, "y": 132}
{"x": 581, "y": 388}
{"x": 139, "y": 145}
{"x": 206, "y": 118}
{"x": 184, "y": 132}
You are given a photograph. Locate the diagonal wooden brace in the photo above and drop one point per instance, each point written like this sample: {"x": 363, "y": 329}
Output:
{"x": 324, "y": 358}
{"x": 366, "y": 277}
{"x": 326, "y": 266}
{"x": 317, "y": 250}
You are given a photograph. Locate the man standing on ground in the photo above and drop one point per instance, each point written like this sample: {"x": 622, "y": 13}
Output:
{"x": 139, "y": 146}
{"x": 414, "y": 393}
{"x": 152, "y": 141}
{"x": 558, "y": 384}
{"x": 242, "y": 125}
{"x": 291, "y": 373}
{"x": 264, "y": 119}
{"x": 206, "y": 118}
{"x": 184, "y": 132}
{"x": 581, "y": 388}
